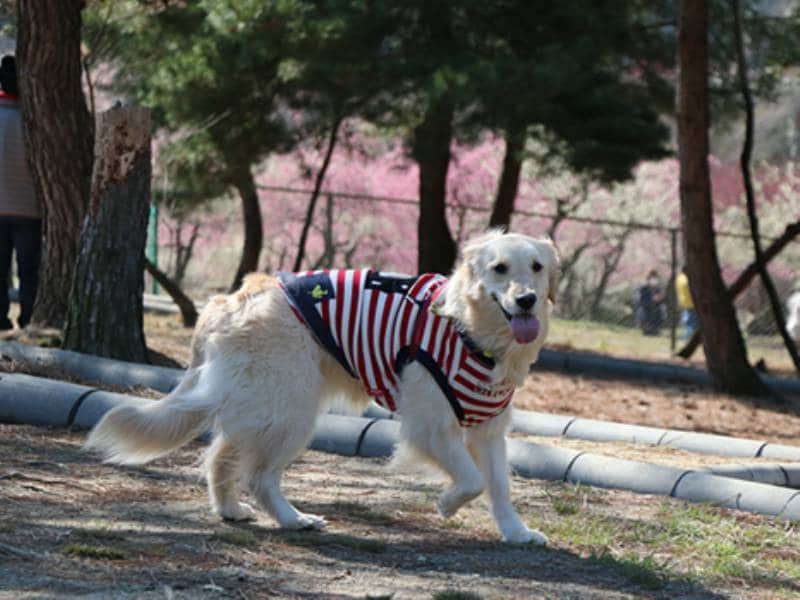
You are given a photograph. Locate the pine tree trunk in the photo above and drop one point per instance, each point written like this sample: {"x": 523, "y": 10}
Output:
{"x": 726, "y": 355}
{"x": 253, "y": 226}
{"x": 509, "y": 179}
{"x": 59, "y": 136}
{"x": 105, "y": 303}
{"x": 431, "y": 150}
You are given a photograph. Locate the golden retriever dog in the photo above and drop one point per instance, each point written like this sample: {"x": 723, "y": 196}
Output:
{"x": 270, "y": 358}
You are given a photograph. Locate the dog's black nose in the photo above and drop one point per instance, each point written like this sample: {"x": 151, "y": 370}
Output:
{"x": 527, "y": 301}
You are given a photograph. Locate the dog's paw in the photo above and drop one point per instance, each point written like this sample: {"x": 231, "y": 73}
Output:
{"x": 526, "y": 536}
{"x": 306, "y": 521}
{"x": 238, "y": 512}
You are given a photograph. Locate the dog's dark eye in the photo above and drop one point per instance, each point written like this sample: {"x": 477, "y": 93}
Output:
{"x": 537, "y": 266}
{"x": 500, "y": 268}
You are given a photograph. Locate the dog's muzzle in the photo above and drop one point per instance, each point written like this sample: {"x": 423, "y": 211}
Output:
{"x": 525, "y": 326}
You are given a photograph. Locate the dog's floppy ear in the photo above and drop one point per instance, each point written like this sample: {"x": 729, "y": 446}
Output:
{"x": 470, "y": 262}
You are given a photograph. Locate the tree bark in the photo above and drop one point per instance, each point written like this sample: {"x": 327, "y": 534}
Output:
{"x": 745, "y": 277}
{"x": 104, "y": 316}
{"x": 726, "y": 354}
{"x": 312, "y": 202}
{"x": 747, "y": 151}
{"x": 431, "y": 151}
{"x": 59, "y": 134}
{"x": 508, "y": 185}
{"x": 184, "y": 303}
{"x": 253, "y": 226}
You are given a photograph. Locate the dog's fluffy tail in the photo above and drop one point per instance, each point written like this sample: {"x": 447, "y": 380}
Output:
{"x": 135, "y": 435}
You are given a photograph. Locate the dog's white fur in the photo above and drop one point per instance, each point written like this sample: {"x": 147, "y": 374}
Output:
{"x": 260, "y": 380}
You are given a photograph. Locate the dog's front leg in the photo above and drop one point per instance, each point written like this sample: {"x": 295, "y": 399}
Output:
{"x": 430, "y": 428}
{"x": 488, "y": 444}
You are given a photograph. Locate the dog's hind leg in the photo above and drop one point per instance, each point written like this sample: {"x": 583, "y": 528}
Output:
{"x": 282, "y": 433}
{"x": 281, "y": 449}
{"x": 222, "y": 475}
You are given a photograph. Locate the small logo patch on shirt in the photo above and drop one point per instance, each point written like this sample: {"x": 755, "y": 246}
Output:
{"x": 318, "y": 293}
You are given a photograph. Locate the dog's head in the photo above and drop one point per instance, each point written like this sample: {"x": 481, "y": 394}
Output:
{"x": 509, "y": 280}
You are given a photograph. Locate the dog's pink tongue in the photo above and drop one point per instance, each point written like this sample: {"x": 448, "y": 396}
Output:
{"x": 525, "y": 328}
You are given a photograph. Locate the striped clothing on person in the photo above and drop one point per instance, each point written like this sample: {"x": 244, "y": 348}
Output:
{"x": 375, "y": 323}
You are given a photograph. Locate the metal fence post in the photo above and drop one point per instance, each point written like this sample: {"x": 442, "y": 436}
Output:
{"x": 152, "y": 241}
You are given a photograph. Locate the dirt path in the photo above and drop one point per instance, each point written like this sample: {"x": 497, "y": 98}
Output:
{"x": 75, "y": 528}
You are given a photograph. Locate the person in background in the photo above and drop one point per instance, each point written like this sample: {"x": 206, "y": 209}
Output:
{"x": 685, "y": 304}
{"x": 648, "y": 305}
{"x": 793, "y": 316}
{"x": 20, "y": 212}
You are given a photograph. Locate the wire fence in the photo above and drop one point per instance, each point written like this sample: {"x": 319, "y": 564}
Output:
{"x": 605, "y": 262}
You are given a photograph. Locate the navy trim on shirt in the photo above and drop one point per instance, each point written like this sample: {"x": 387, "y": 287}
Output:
{"x": 300, "y": 289}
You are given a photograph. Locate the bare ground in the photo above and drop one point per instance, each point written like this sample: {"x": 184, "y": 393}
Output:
{"x": 74, "y": 528}
{"x": 71, "y": 527}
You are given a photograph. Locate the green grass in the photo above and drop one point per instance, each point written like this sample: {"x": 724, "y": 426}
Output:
{"x": 644, "y": 572}
{"x": 678, "y": 542}
{"x": 99, "y": 552}
{"x": 628, "y": 342}
{"x": 235, "y": 537}
{"x": 455, "y": 595}
{"x": 91, "y": 535}
{"x": 360, "y": 512}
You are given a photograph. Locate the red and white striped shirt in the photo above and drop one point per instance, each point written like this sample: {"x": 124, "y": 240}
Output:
{"x": 375, "y": 323}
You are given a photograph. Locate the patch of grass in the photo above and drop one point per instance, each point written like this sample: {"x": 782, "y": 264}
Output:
{"x": 455, "y": 595}
{"x": 362, "y": 513}
{"x": 564, "y": 506}
{"x": 99, "y": 552}
{"x": 703, "y": 543}
{"x": 313, "y": 539}
{"x": 453, "y": 524}
{"x": 235, "y": 537}
{"x": 583, "y": 530}
{"x": 623, "y": 341}
{"x": 90, "y": 535}
{"x": 644, "y": 572}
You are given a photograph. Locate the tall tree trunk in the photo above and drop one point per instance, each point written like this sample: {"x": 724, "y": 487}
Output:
{"x": 745, "y": 277}
{"x": 105, "y": 303}
{"x": 431, "y": 150}
{"x": 747, "y": 150}
{"x": 253, "y": 226}
{"x": 726, "y": 355}
{"x": 312, "y": 202}
{"x": 59, "y": 134}
{"x": 508, "y": 185}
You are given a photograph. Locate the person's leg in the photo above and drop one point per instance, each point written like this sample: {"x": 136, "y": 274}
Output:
{"x": 28, "y": 244}
{"x": 6, "y": 248}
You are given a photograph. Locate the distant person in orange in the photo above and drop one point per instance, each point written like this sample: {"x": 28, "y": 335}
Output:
{"x": 20, "y": 212}
{"x": 685, "y": 304}
{"x": 648, "y": 305}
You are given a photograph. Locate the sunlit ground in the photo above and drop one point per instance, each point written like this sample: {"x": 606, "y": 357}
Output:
{"x": 627, "y": 342}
